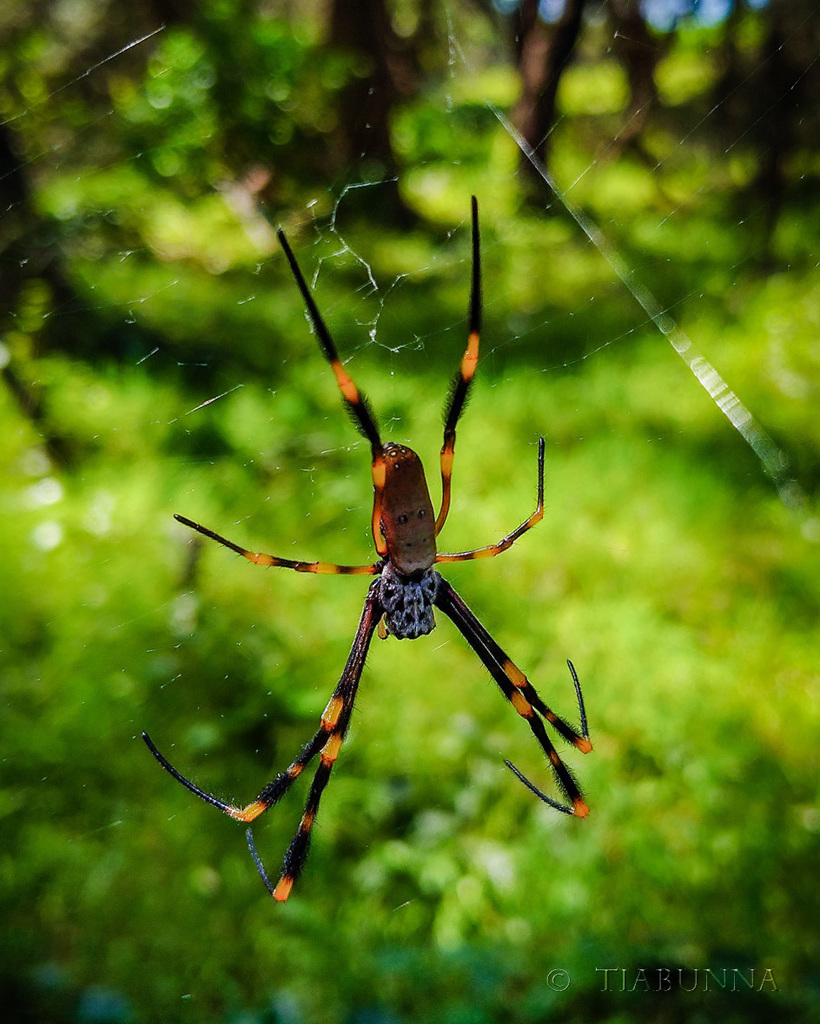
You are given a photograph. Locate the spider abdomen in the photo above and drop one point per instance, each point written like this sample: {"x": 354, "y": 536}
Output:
{"x": 408, "y": 602}
{"x": 408, "y": 522}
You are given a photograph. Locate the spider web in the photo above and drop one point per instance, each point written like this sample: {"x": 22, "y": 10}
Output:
{"x": 774, "y": 460}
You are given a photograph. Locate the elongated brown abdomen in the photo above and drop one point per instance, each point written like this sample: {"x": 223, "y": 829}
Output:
{"x": 408, "y": 520}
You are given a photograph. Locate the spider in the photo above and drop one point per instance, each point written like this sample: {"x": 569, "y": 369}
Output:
{"x": 401, "y": 598}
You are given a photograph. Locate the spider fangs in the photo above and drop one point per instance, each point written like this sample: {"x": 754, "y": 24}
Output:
{"x": 401, "y": 599}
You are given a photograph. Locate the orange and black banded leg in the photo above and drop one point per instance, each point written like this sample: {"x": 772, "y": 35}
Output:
{"x": 327, "y": 743}
{"x": 276, "y": 788}
{"x": 271, "y": 794}
{"x": 356, "y": 402}
{"x": 334, "y": 726}
{"x": 460, "y": 387}
{"x": 491, "y": 550}
{"x": 259, "y": 558}
{"x": 521, "y": 694}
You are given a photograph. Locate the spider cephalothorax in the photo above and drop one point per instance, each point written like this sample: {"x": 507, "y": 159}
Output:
{"x": 408, "y": 602}
{"x": 402, "y": 598}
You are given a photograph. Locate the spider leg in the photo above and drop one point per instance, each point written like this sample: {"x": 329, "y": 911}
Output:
{"x": 460, "y": 387}
{"x": 356, "y": 402}
{"x": 522, "y": 695}
{"x": 327, "y": 743}
{"x": 491, "y": 550}
{"x": 566, "y": 731}
{"x": 258, "y": 558}
{"x": 271, "y": 794}
{"x": 334, "y": 724}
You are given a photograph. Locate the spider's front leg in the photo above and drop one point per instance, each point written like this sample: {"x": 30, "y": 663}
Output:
{"x": 327, "y": 743}
{"x": 522, "y": 695}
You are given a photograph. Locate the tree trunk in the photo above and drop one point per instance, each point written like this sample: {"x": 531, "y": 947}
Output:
{"x": 388, "y": 76}
{"x": 543, "y": 53}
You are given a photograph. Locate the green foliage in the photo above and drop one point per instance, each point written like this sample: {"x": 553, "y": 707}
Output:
{"x": 666, "y": 567}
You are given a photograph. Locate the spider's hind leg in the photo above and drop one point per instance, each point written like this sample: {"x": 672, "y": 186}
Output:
{"x": 462, "y": 382}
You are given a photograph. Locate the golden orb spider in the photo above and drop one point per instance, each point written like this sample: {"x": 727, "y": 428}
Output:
{"x": 401, "y": 598}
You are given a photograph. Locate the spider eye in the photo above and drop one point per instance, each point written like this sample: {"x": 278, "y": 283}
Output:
{"x": 403, "y": 519}
{"x": 421, "y": 513}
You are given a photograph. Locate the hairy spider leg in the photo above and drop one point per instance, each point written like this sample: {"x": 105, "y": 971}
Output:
{"x": 334, "y": 726}
{"x": 491, "y": 550}
{"x": 327, "y": 742}
{"x": 271, "y": 794}
{"x": 522, "y": 695}
{"x": 357, "y": 404}
{"x": 460, "y": 385}
{"x": 259, "y": 558}
{"x": 561, "y": 727}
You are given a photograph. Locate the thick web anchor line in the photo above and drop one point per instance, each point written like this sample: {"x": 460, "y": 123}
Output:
{"x": 773, "y": 459}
